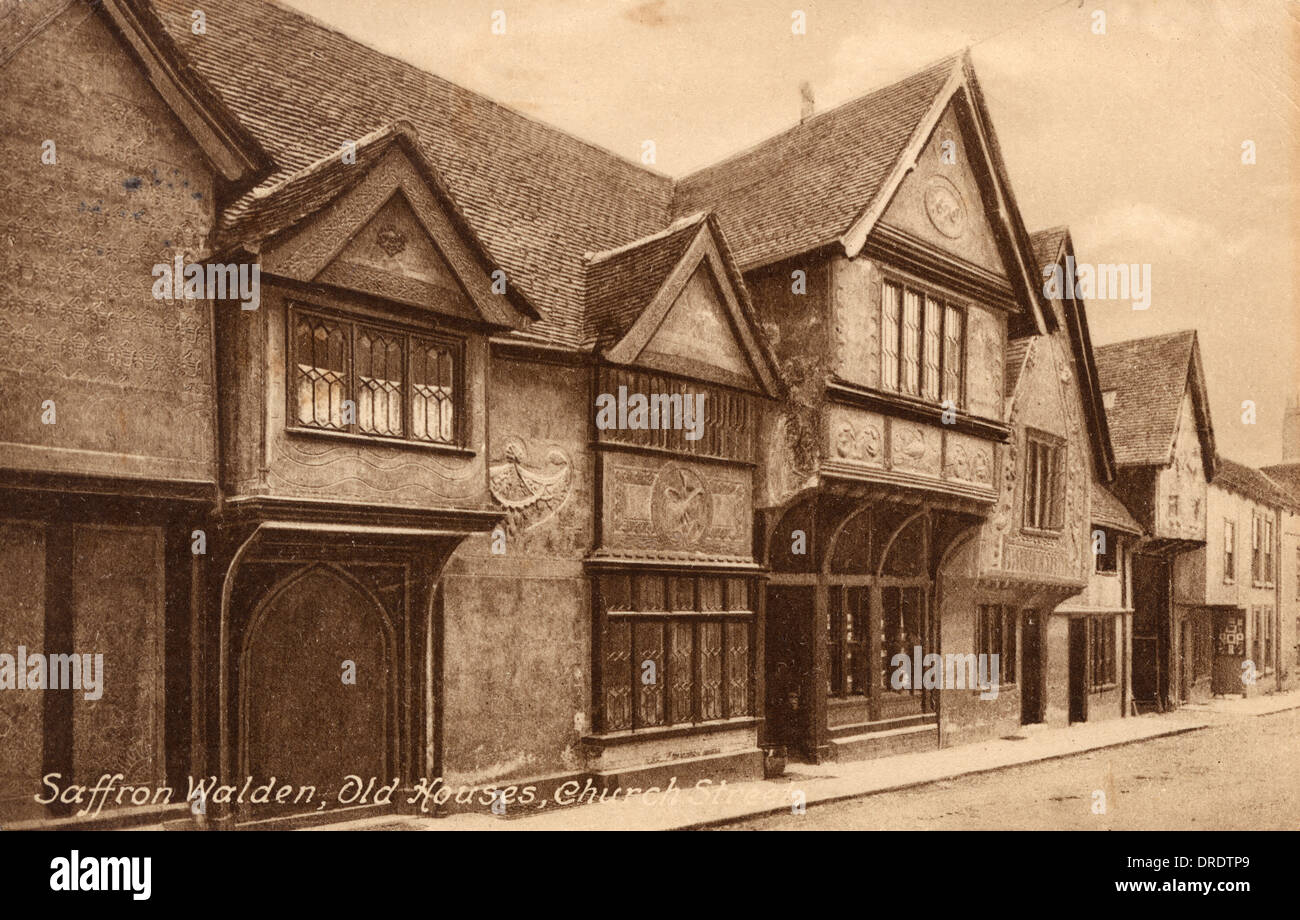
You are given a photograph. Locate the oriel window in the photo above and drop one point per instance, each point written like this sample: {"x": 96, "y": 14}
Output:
{"x": 922, "y": 350}
{"x": 374, "y": 379}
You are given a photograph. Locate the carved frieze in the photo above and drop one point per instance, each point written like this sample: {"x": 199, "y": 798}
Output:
{"x": 914, "y": 448}
{"x": 968, "y": 459}
{"x": 856, "y": 436}
{"x": 666, "y": 507}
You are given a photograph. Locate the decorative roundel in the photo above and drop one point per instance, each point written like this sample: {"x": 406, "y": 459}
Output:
{"x": 945, "y": 207}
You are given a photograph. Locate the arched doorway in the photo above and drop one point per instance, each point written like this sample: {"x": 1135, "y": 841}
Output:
{"x": 317, "y": 685}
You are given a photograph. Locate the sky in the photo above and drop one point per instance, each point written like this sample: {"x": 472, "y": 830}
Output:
{"x": 1133, "y": 138}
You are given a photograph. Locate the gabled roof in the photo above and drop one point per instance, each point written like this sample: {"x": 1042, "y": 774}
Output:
{"x": 269, "y": 211}
{"x": 1149, "y": 377}
{"x": 1109, "y": 511}
{"x": 536, "y": 197}
{"x": 633, "y": 288}
{"x": 621, "y": 282}
{"x": 827, "y": 180}
{"x": 1253, "y": 484}
{"x": 803, "y": 188}
{"x": 1052, "y": 247}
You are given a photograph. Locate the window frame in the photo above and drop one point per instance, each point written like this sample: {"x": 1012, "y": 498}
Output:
{"x": 1112, "y": 545}
{"x": 408, "y": 334}
{"x": 672, "y": 615}
{"x": 1102, "y": 654}
{"x": 1229, "y": 551}
{"x": 1052, "y": 520}
{"x": 998, "y": 624}
{"x": 894, "y": 331}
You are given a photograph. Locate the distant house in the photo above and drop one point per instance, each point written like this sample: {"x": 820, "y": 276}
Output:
{"x": 1159, "y": 416}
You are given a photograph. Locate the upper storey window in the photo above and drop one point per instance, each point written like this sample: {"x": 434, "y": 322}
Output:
{"x": 375, "y": 380}
{"x": 922, "y": 339}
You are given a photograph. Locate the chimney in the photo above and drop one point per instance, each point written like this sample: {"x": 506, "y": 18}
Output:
{"x": 806, "y": 103}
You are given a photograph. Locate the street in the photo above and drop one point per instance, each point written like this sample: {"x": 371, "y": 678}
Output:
{"x": 1242, "y": 773}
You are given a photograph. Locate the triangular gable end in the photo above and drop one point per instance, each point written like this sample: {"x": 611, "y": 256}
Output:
{"x": 1201, "y": 407}
{"x": 1076, "y": 324}
{"x": 359, "y": 240}
{"x": 696, "y": 327}
{"x": 961, "y": 101}
{"x": 939, "y": 202}
{"x": 393, "y": 256}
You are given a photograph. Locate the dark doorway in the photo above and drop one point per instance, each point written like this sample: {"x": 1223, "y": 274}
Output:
{"x": 1031, "y": 669}
{"x": 1151, "y": 633}
{"x": 789, "y": 667}
{"x": 1079, "y": 670}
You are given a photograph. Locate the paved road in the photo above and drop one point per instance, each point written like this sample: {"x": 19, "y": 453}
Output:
{"x": 1241, "y": 774}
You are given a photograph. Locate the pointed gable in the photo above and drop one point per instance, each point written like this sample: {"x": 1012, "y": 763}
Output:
{"x": 1051, "y": 247}
{"x": 940, "y": 202}
{"x": 1144, "y": 383}
{"x": 379, "y": 222}
{"x": 675, "y": 302}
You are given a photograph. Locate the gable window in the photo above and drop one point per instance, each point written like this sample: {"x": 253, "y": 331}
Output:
{"x": 1044, "y": 457}
{"x": 922, "y": 344}
{"x": 1229, "y": 551}
{"x": 995, "y": 634}
{"x": 373, "y": 379}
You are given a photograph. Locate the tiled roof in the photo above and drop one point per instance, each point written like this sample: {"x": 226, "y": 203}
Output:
{"x": 1149, "y": 377}
{"x": 805, "y": 187}
{"x": 1253, "y": 484}
{"x": 1109, "y": 511}
{"x": 1047, "y": 244}
{"x": 538, "y": 198}
{"x": 1286, "y": 475}
{"x": 622, "y": 282}
{"x": 275, "y": 208}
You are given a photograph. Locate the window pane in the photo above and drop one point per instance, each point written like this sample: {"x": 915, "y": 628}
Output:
{"x": 616, "y": 674}
{"x": 953, "y": 336}
{"x": 379, "y": 382}
{"x": 648, "y": 673}
{"x": 681, "y": 656}
{"x": 321, "y": 348}
{"x": 933, "y": 316}
{"x": 892, "y": 306}
{"x": 911, "y": 342}
{"x": 738, "y": 669}
{"x": 711, "y": 670}
{"x": 432, "y": 396}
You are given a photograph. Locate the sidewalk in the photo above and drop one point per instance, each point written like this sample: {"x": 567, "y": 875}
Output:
{"x": 831, "y": 782}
